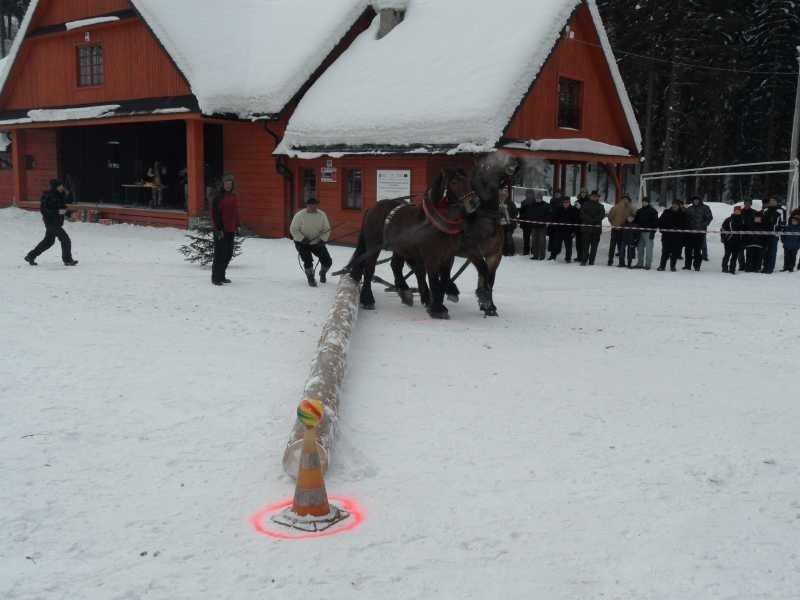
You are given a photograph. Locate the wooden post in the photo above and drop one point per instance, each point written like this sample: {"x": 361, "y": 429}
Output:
{"x": 195, "y": 168}
{"x": 18, "y": 165}
{"x": 584, "y": 175}
{"x": 563, "y": 187}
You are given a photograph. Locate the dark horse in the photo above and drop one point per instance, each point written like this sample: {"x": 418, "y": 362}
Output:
{"x": 482, "y": 240}
{"x": 406, "y": 231}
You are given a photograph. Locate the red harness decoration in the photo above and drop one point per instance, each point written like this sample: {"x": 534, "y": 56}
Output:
{"x": 437, "y": 215}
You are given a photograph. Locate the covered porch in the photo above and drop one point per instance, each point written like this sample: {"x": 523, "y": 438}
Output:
{"x": 149, "y": 170}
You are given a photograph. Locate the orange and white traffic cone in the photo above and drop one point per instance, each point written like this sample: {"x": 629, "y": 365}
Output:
{"x": 310, "y": 509}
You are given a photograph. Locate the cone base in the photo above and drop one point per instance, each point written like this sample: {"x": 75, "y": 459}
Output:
{"x": 288, "y": 518}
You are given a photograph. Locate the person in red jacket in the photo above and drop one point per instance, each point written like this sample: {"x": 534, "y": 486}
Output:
{"x": 225, "y": 217}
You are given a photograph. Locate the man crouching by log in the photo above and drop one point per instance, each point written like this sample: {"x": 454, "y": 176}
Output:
{"x": 310, "y": 231}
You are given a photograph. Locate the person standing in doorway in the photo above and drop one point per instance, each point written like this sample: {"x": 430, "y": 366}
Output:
{"x": 53, "y": 206}
{"x": 646, "y": 218}
{"x": 310, "y": 230}
{"x": 225, "y": 217}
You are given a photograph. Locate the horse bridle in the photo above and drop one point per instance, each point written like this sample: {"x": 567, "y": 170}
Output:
{"x": 470, "y": 201}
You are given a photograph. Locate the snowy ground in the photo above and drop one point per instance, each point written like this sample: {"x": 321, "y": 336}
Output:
{"x": 614, "y": 434}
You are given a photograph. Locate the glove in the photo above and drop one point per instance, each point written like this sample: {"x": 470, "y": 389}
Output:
{"x": 305, "y": 241}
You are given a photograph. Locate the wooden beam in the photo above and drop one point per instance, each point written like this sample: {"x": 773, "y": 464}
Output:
{"x": 556, "y": 175}
{"x": 584, "y": 175}
{"x": 108, "y": 121}
{"x": 195, "y": 168}
{"x": 18, "y": 166}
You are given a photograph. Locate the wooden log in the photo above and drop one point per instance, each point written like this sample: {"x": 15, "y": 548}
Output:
{"x": 326, "y": 375}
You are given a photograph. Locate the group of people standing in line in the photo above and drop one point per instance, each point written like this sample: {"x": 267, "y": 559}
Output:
{"x": 751, "y": 237}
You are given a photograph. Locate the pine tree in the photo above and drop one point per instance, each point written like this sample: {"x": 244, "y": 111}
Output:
{"x": 200, "y": 248}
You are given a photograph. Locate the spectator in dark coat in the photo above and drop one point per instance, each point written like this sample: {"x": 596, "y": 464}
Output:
{"x": 732, "y": 240}
{"x": 671, "y": 241}
{"x": 526, "y": 211}
{"x": 698, "y": 218}
{"x": 53, "y": 206}
{"x": 591, "y": 216}
{"x": 754, "y": 244}
{"x": 774, "y": 220}
{"x": 646, "y": 217}
{"x": 225, "y": 217}
{"x": 748, "y": 214}
{"x": 509, "y": 213}
{"x": 583, "y": 198}
{"x": 539, "y": 211}
{"x": 630, "y": 242}
{"x": 567, "y": 216}
{"x": 791, "y": 244}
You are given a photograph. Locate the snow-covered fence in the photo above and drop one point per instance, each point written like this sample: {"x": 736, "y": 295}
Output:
{"x": 327, "y": 373}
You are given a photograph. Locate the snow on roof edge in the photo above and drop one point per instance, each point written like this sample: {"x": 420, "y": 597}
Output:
{"x": 22, "y": 33}
{"x": 622, "y": 91}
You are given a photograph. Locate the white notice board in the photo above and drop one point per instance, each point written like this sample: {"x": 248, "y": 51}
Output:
{"x": 394, "y": 184}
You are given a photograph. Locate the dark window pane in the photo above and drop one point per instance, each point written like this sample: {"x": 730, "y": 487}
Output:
{"x": 90, "y": 65}
{"x": 309, "y": 184}
{"x": 570, "y": 100}
{"x": 353, "y": 192}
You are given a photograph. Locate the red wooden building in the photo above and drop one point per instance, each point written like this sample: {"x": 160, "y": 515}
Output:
{"x": 96, "y": 91}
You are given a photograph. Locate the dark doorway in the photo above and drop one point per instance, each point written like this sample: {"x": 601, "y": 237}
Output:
{"x": 110, "y": 164}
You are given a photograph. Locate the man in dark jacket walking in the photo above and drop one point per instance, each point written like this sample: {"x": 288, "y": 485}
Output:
{"x": 671, "y": 241}
{"x": 646, "y": 218}
{"x": 698, "y": 218}
{"x": 54, "y": 208}
{"x": 591, "y": 216}
{"x": 225, "y": 216}
{"x": 732, "y": 240}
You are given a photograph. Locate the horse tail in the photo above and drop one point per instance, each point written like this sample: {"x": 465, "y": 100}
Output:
{"x": 356, "y": 265}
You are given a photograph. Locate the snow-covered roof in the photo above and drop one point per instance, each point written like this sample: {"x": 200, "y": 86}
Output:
{"x": 249, "y": 57}
{"x": 451, "y": 74}
{"x": 580, "y": 145}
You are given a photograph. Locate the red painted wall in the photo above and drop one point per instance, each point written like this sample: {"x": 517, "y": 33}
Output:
{"x": 582, "y": 59}
{"x": 45, "y": 72}
{"x": 41, "y": 145}
{"x": 260, "y": 188}
{"x": 54, "y": 12}
{"x": 6, "y": 187}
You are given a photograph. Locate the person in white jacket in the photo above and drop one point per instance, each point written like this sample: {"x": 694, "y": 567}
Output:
{"x": 310, "y": 230}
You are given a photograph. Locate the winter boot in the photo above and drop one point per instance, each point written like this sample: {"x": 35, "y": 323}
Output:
{"x": 70, "y": 263}
{"x": 310, "y": 276}
{"x": 322, "y": 275}
{"x": 30, "y": 260}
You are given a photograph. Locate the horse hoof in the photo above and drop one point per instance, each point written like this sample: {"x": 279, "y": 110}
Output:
{"x": 443, "y": 316}
{"x": 453, "y": 298}
{"x": 368, "y": 306}
{"x": 407, "y": 297}
{"x": 491, "y": 312}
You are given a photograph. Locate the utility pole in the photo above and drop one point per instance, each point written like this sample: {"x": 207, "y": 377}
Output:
{"x": 792, "y": 197}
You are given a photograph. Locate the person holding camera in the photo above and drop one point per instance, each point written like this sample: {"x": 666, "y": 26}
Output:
{"x": 225, "y": 217}
{"x": 54, "y": 210}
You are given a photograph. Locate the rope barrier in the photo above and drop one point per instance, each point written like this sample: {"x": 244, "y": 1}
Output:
{"x": 656, "y": 229}
{"x": 742, "y": 165}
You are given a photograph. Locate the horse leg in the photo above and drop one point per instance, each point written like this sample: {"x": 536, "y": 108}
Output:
{"x": 437, "y": 277}
{"x": 492, "y": 264}
{"x": 483, "y": 292}
{"x": 450, "y": 288}
{"x": 422, "y": 283}
{"x": 367, "y": 299}
{"x": 400, "y": 285}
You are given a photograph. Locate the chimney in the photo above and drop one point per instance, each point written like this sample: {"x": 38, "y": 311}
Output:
{"x": 392, "y": 13}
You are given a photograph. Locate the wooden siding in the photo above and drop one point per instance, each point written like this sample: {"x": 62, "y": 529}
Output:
{"x": 56, "y": 12}
{"x": 41, "y": 145}
{"x": 581, "y": 58}
{"x": 6, "y": 187}
{"x": 261, "y": 190}
{"x": 45, "y": 73}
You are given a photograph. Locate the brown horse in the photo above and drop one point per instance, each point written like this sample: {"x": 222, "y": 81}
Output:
{"x": 405, "y": 230}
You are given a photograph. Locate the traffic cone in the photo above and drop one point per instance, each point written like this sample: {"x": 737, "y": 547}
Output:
{"x": 310, "y": 510}
{"x": 310, "y": 496}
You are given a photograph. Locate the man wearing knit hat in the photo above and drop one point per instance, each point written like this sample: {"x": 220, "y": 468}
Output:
{"x": 310, "y": 230}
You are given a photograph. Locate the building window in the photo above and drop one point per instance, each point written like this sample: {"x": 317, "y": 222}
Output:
{"x": 570, "y": 101}
{"x": 5, "y": 161}
{"x": 353, "y": 198}
{"x": 309, "y": 184}
{"x": 90, "y": 66}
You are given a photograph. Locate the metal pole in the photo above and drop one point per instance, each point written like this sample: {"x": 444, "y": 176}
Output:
{"x": 791, "y": 199}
